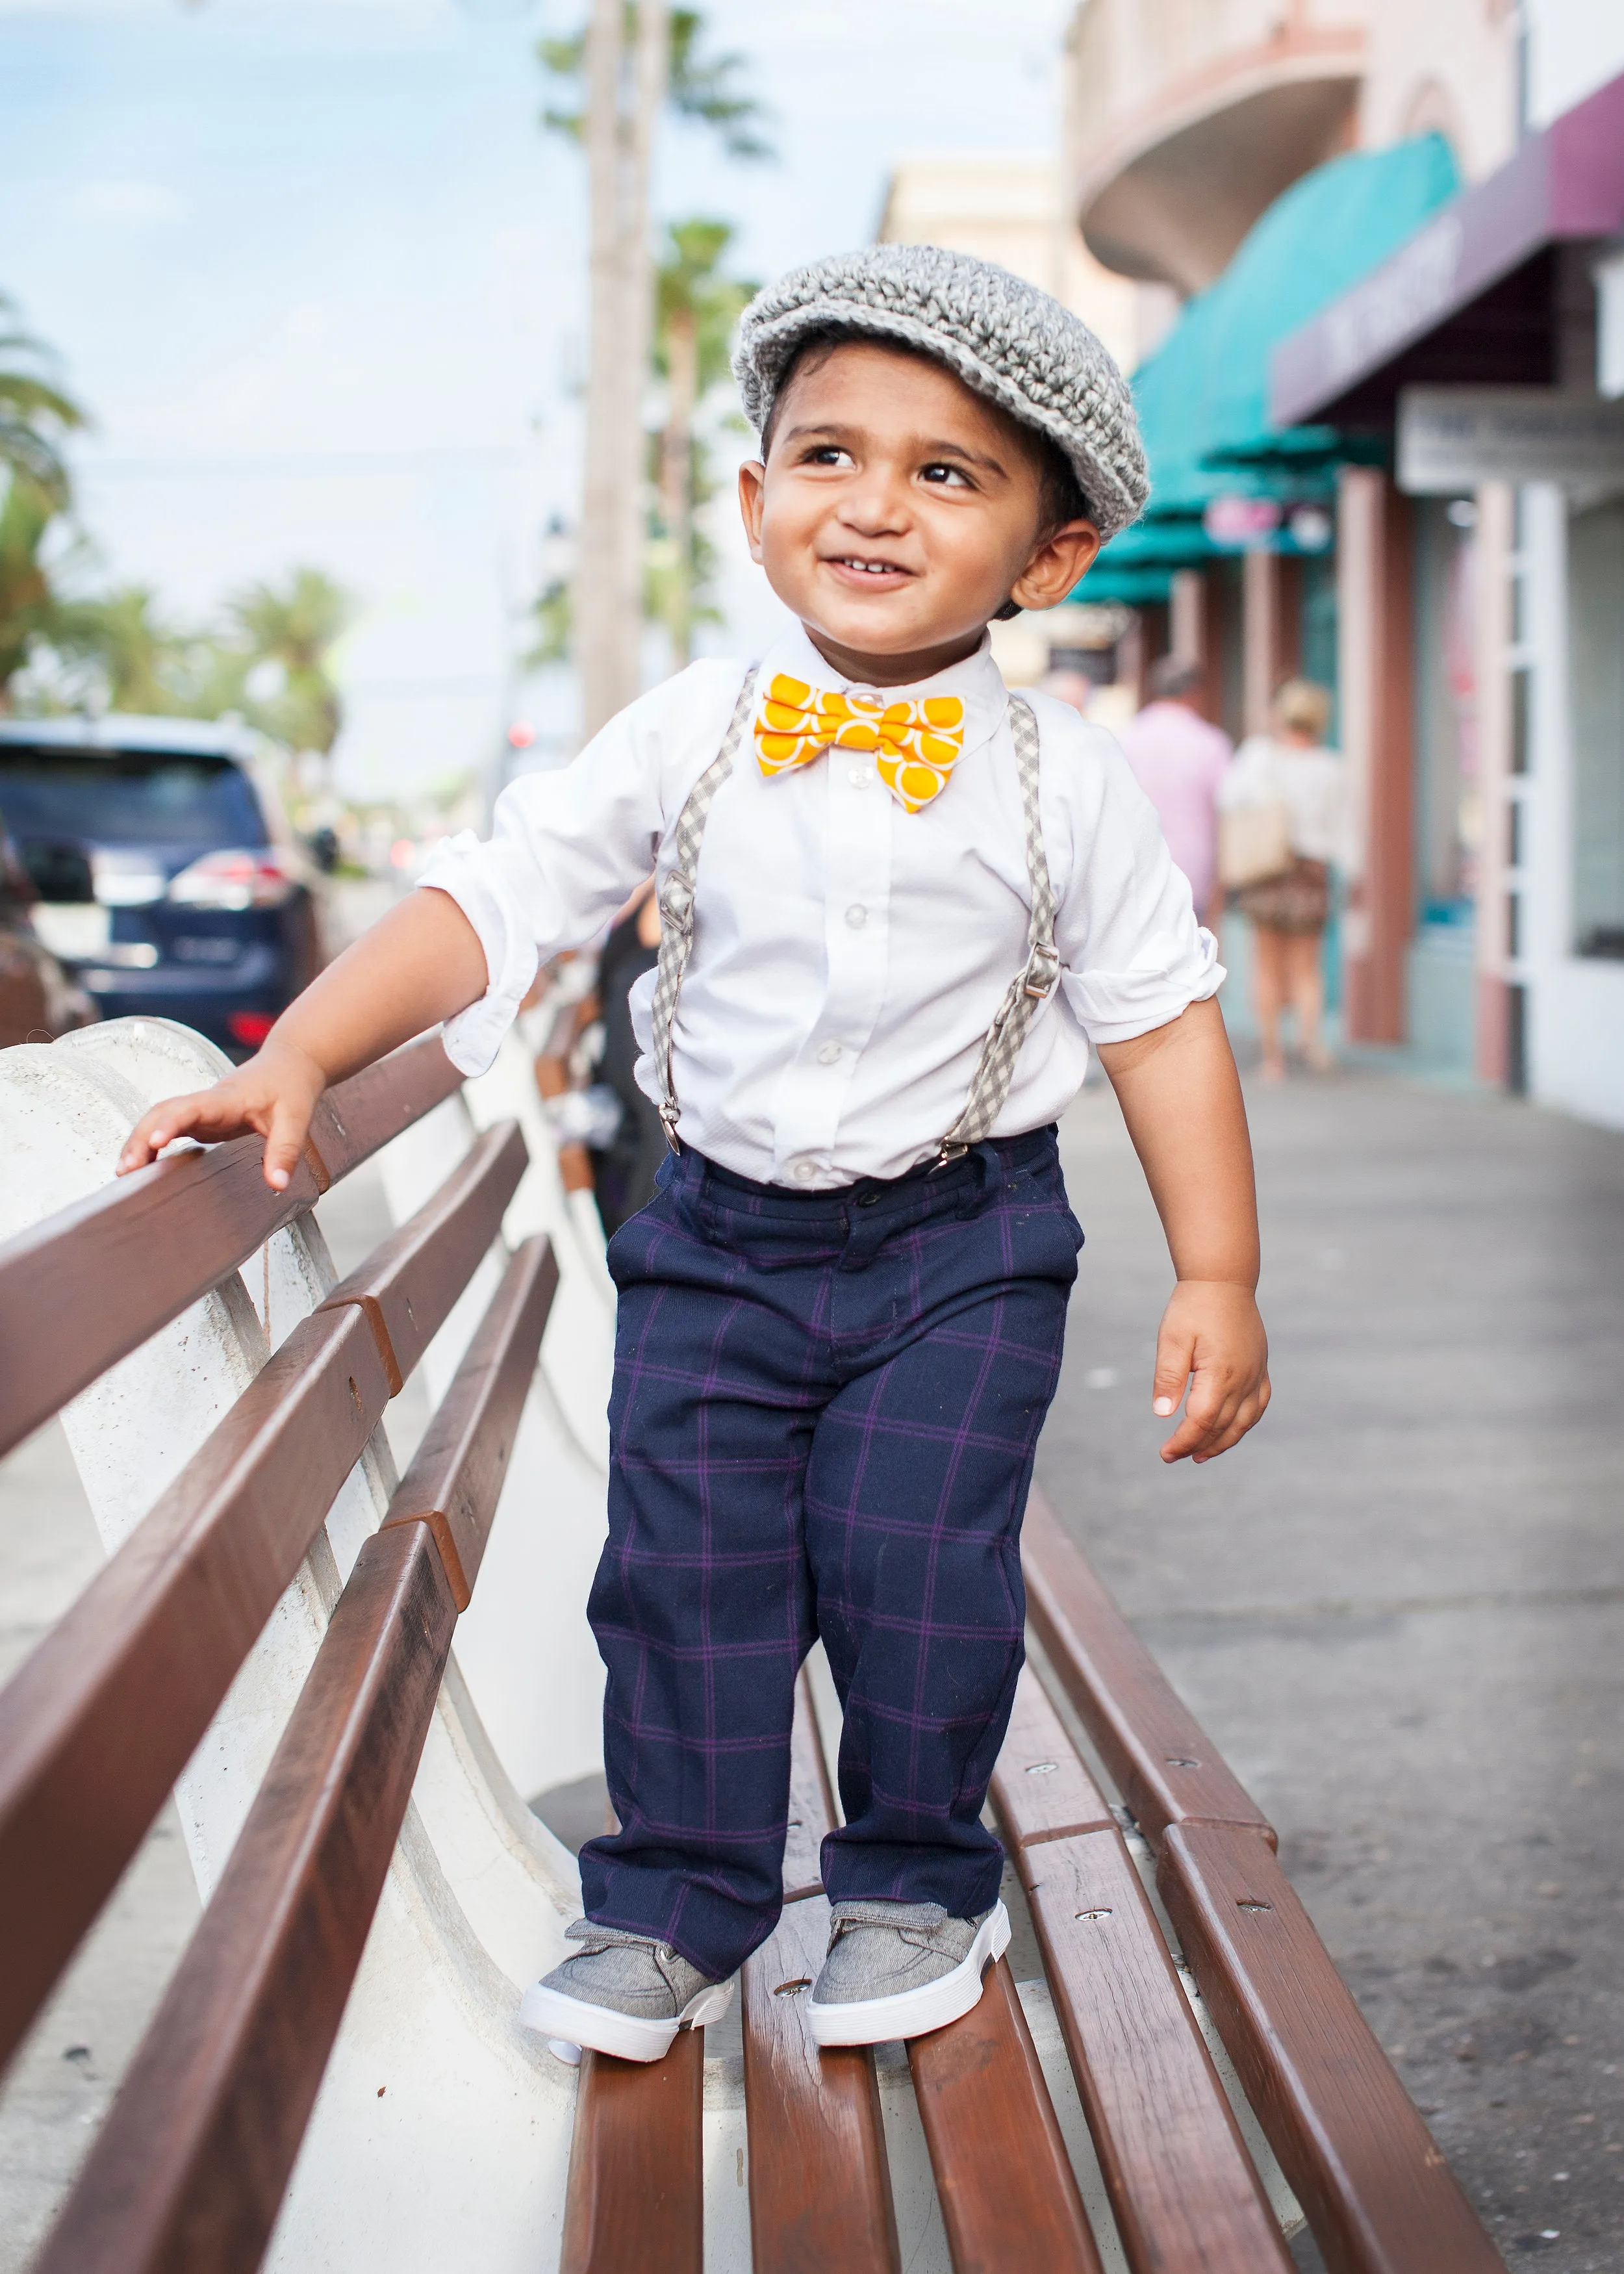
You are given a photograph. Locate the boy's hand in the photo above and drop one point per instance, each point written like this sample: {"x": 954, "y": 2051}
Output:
{"x": 1211, "y": 1330}
{"x": 275, "y": 1093}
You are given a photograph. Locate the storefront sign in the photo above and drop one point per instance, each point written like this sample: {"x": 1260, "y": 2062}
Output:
{"x": 1240, "y": 523}
{"x": 1452, "y": 437}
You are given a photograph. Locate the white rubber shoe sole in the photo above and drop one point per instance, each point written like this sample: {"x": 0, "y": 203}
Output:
{"x": 574, "y": 2021}
{"x": 915, "y": 2013}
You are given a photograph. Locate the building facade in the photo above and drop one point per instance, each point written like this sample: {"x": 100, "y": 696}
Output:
{"x": 1431, "y": 184}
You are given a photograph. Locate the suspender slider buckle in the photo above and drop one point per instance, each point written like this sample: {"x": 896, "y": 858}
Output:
{"x": 1041, "y": 975}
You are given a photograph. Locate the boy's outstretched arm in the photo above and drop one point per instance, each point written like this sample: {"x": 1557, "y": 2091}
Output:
{"x": 422, "y": 963}
{"x": 1181, "y": 1098}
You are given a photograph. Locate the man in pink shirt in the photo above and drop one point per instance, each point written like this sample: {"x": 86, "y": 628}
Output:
{"x": 1178, "y": 759}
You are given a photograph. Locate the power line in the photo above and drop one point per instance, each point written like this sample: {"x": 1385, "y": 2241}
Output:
{"x": 274, "y": 464}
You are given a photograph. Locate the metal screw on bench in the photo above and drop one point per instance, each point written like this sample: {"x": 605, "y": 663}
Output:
{"x": 1042, "y": 1768}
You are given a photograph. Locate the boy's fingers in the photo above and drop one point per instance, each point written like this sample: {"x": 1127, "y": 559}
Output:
{"x": 1174, "y": 1355}
{"x": 176, "y": 1117}
{"x": 284, "y": 1144}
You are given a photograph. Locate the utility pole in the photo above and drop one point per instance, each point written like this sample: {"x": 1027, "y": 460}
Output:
{"x": 677, "y": 472}
{"x": 625, "y": 93}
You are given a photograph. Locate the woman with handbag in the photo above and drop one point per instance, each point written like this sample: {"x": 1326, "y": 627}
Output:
{"x": 1282, "y": 823}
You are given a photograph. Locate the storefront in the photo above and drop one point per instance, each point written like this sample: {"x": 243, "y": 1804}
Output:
{"x": 1480, "y": 591}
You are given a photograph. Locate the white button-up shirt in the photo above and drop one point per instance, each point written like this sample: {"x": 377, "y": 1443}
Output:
{"x": 848, "y": 956}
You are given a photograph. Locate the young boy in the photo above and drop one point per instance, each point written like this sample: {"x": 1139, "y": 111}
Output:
{"x": 899, "y": 905}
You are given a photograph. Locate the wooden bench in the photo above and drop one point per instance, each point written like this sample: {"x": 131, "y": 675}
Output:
{"x": 1185, "y": 2194}
{"x": 1089, "y": 2121}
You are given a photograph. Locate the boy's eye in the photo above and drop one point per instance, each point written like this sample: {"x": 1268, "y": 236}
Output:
{"x": 826, "y": 454}
{"x": 945, "y": 477}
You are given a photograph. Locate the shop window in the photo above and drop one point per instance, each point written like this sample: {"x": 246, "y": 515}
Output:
{"x": 1596, "y": 615}
{"x": 1521, "y": 692}
{"x": 1448, "y": 804}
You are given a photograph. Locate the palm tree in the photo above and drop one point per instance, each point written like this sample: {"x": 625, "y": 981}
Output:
{"x": 633, "y": 59}
{"x": 695, "y": 310}
{"x": 35, "y": 413}
{"x": 141, "y": 660}
{"x": 282, "y": 644}
{"x": 698, "y": 87}
{"x": 28, "y": 607}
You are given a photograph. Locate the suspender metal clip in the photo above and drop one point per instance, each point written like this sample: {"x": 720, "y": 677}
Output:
{"x": 1041, "y": 975}
{"x": 676, "y": 901}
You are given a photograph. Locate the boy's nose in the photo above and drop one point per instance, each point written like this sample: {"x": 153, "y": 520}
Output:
{"x": 875, "y": 506}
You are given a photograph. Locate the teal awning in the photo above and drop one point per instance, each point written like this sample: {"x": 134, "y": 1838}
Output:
{"x": 1202, "y": 395}
{"x": 1206, "y": 387}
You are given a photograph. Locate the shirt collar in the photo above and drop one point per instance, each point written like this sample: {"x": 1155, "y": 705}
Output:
{"x": 976, "y": 679}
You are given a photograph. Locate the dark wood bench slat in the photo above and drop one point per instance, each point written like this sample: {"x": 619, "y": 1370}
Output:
{"x": 634, "y": 2200}
{"x": 407, "y": 1287}
{"x": 454, "y": 1482}
{"x": 189, "y": 2168}
{"x": 1186, "y": 2198}
{"x": 1008, "y": 2193}
{"x": 1379, "y": 2195}
{"x": 100, "y": 1721}
{"x": 359, "y": 1118}
{"x": 636, "y": 2196}
{"x": 820, "y": 2183}
{"x": 151, "y": 1244}
{"x": 1165, "y": 1767}
{"x": 1041, "y": 1789}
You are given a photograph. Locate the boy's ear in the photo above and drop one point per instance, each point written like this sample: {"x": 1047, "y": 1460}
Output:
{"x": 1063, "y": 557}
{"x": 752, "y": 481}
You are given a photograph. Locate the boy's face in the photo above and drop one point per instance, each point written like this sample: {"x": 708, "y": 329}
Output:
{"x": 898, "y": 511}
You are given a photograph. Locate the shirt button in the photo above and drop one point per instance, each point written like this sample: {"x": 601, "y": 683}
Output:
{"x": 857, "y": 916}
{"x": 805, "y": 1171}
{"x": 829, "y": 1053}
{"x": 861, "y": 776}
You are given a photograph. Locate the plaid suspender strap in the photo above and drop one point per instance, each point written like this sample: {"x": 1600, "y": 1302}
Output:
{"x": 1033, "y": 984}
{"x": 676, "y": 902}
{"x": 1037, "y": 979}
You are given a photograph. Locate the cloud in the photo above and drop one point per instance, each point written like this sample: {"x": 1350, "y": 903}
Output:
{"x": 128, "y": 204}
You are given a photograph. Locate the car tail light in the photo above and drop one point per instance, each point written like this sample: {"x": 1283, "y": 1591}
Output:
{"x": 234, "y": 880}
{"x": 251, "y": 1027}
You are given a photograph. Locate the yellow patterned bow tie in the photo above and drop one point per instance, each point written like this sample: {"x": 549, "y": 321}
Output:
{"x": 915, "y": 744}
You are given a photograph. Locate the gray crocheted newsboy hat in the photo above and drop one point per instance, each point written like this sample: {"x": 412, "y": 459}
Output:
{"x": 1003, "y": 338}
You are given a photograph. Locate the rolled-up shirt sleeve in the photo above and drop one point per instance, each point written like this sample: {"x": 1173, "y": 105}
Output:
{"x": 565, "y": 851}
{"x": 1133, "y": 956}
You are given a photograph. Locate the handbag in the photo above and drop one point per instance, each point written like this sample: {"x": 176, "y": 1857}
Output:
{"x": 1254, "y": 843}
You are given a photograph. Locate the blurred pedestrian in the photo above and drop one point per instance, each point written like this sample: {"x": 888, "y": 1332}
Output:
{"x": 1291, "y": 771}
{"x": 1179, "y": 758}
{"x": 623, "y": 1170}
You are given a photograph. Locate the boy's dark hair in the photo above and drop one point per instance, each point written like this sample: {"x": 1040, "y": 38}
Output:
{"x": 1060, "y": 494}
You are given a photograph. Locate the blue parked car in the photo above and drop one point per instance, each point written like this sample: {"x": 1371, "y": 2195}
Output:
{"x": 168, "y": 883}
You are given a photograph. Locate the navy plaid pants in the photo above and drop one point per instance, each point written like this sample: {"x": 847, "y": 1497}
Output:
{"x": 823, "y": 1423}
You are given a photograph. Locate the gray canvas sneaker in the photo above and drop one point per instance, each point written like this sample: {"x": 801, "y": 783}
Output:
{"x": 625, "y": 1994}
{"x": 900, "y": 1969}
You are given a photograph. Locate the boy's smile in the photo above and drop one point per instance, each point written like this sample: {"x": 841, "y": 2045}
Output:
{"x": 898, "y": 511}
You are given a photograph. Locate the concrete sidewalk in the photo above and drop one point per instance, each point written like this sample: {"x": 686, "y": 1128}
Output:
{"x": 1399, "y": 1607}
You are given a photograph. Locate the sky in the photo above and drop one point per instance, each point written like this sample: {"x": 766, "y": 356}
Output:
{"x": 319, "y": 278}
